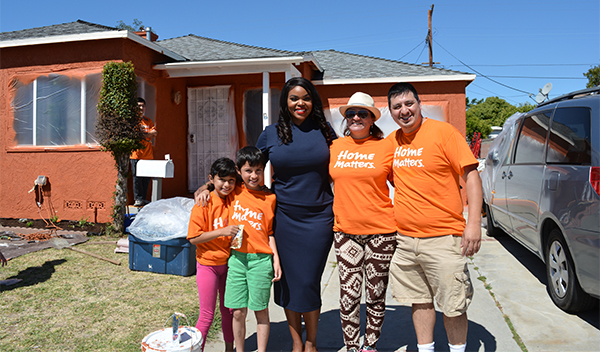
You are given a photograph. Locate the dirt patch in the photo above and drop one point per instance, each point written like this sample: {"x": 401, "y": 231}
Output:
{"x": 70, "y": 225}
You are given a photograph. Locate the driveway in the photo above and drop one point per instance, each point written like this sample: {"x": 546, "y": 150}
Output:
{"x": 510, "y": 304}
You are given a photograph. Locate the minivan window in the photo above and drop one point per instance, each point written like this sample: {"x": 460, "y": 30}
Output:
{"x": 570, "y": 141}
{"x": 531, "y": 140}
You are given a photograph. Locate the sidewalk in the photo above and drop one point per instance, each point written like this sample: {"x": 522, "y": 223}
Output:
{"x": 520, "y": 293}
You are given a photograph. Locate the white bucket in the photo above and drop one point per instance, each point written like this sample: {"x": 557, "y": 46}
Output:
{"x": 190, "y": 339}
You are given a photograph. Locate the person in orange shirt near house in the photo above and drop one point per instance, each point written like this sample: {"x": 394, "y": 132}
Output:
{"x": 364, "y": 227}
{"x": 429, "y": 264}
{"x": 140, "y": 184}
{"x": 254, "y": 261}
{"x": 210, "y": 231}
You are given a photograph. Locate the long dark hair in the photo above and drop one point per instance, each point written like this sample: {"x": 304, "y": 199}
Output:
{"x": 284, "y": 127}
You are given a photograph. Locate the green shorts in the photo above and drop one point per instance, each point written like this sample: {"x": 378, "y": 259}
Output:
{"x": 249, "y": 280}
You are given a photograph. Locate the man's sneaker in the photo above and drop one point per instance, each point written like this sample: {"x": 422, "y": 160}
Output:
{"x": 138, "y": 203}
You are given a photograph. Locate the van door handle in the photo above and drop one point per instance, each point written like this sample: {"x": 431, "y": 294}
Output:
{"x": 510, "y": 175}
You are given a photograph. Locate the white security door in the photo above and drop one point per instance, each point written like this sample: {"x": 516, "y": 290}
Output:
{"x": 212, "y": 131}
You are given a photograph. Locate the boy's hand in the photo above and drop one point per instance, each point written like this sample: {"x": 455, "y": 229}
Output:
{"x": 276, "y": 272}
{"x": 230, "y": 231}
{"x": 202, "y": 197}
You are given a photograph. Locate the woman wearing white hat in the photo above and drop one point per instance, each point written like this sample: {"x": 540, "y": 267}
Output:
{"x": 364, "y": 226}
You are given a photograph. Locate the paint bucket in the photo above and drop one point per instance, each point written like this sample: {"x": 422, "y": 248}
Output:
{"x": 176, "y": 339}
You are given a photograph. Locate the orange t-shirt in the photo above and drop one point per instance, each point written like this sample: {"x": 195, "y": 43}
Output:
{"x": 255, "y": 210}
{"x": 427, "y": 165}
{"x": 360, "y": 170}
{"x": 205, "y": 219}
{"x": 146, "y": 153}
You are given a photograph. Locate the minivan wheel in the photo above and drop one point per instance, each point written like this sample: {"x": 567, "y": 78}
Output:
{"x": 563, "y": 286}
{"x": 492, "y": 230}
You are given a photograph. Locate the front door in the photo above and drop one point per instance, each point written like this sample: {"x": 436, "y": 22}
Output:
{"x": 212, "y": 131}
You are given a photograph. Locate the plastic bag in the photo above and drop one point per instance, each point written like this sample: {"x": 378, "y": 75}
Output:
{"x": 497, "y": 155}
{"x": 163, "y": 220}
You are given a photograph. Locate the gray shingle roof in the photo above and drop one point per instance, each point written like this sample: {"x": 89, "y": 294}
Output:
{"x": 197, "y": 48}
{"x": 76, "y": 27}
{"x": 341, "y": 65}
{"x": 336, "y": 64}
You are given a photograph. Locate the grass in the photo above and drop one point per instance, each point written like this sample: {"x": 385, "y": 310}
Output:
{"x": 507, "y": 320}
{"x": 68, "y": 301}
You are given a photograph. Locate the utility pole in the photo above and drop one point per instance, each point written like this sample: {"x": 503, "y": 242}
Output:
{"x": 429, "y": 39}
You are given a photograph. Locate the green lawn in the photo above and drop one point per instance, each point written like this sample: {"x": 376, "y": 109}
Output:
{"x": 70, "y": 301}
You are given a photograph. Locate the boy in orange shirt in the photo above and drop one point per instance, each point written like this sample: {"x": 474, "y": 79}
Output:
{"x": 255, "y": 264}
{"x": 208, "y": 230}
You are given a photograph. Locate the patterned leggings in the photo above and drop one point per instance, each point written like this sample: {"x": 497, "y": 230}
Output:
{"x": 358, "y": 254}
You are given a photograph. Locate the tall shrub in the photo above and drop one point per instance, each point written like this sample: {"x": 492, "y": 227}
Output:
{"x": 118, "y": 127}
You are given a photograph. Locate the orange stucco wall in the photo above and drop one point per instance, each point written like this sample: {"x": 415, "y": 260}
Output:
{"x": 450, "y": 95}
{"x": 172, "y": 120}
{"x": 81, "y": 178}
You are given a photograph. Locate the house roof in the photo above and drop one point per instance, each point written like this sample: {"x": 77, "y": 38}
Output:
{"x": 343, "y": 68}
{"x": 195, "y": 55}
{"x": 74, "y": 32}
{"x": 335, "y": 67}
{"x": 196, "y": 48}
{"x": 209, "y": 57}
{"x": 77, "y": 27}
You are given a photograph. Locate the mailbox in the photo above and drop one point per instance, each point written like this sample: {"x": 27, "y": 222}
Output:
{"x": 157, "y": 169}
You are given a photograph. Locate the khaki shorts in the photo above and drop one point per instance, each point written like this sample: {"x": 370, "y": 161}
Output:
{"x": 426, "y": 268}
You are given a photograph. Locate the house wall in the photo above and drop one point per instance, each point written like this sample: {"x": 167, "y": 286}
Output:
{"x": 448, "y": 95}
{"x": 172, "y": 119}
{"x": 81, "y": 178}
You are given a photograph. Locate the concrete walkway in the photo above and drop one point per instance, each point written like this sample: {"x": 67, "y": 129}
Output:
{"x": 514, "y": 276}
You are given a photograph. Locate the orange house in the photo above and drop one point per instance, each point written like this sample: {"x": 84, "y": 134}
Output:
{"x": 206, "y": 97}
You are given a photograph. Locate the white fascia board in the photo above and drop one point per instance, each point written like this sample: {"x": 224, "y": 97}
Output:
{"x": 90, "y": 36}
{"x": 437, "y": 78}
{"x": 229, "y": 67}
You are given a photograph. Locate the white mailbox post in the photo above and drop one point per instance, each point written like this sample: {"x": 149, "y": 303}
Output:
{"x": 157, "y": 169}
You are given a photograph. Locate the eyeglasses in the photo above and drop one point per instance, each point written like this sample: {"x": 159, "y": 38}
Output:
{"x": 363, "y": 114}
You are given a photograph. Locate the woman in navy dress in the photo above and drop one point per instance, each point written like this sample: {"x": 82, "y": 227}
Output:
{"x": 298, "y": 148}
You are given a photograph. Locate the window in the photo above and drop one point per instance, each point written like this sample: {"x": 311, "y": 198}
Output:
{"x": 530, "y": 145}
{"x": 569, "y": 141}
{"x": 56, "y": 110}
{"x": 253, "y": 121}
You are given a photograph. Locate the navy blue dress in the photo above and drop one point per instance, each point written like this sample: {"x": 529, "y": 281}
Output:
{"x": 303, "y": 222}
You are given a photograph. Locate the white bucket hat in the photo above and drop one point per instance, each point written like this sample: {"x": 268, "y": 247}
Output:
{"x": 361, "y": 100}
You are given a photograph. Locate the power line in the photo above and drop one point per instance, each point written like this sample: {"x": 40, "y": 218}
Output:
{"x": 522, "y": 65}
{"x": 493, "y": 93}
{"x": 421, "y": 53}
{"x": 538, "y": 77}
{"x": 479, "y": 73}
{"x": 413, "y": 49}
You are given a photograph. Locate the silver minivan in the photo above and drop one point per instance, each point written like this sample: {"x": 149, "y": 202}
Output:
{"x": 541, "y": 185}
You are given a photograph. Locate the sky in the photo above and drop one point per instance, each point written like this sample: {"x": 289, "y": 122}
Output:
{"x": 514, "y": 47}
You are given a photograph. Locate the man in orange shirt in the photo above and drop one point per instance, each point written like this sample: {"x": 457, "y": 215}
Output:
{"x": 140, "y": 184}
{"x": 429, "y": 263}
